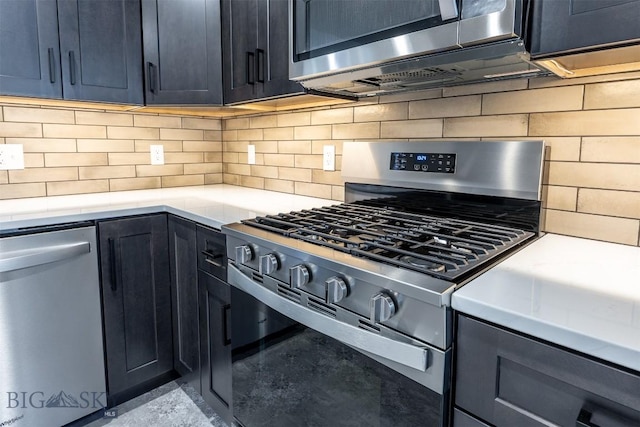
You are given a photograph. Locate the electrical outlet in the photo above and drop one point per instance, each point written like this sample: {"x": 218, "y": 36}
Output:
{"x": 157, "y": 154}
{"x": 251, "y": 154}
{"x": 329, "y": 157}
{"x": 11, "y": 156}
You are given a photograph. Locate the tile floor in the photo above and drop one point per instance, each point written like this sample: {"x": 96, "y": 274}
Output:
{"x": 170, "y": 405}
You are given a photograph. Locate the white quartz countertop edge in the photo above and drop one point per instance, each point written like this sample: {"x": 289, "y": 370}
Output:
{"x": 211, "y": 205}
{"x": 580, "y": 294}
{"x": 550, "y": 332}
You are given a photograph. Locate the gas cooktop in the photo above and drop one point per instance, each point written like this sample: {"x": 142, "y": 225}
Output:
{"x": 419, "y": 220}
{"x": 443, "y": 247}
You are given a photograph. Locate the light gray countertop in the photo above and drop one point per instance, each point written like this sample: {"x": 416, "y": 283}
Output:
{"x": 211, "y": 205}
{"x": 578, "y": 293}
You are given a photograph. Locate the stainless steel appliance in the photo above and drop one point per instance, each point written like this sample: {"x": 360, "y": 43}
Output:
{"x": 354, "y": 324}
{"x": 51, "y": 354}
{"x": 366, "y": 48}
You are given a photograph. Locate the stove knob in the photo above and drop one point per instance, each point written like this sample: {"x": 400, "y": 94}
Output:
{"x": 381, "y": 307}
{"x": 244, "y": 254}
{"x": 299, "y": 276}
{"x": 336, "y": 289}
{"x": 268, "y": 264}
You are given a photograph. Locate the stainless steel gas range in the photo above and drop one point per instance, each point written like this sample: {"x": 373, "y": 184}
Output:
{"x": 341, "y": 315}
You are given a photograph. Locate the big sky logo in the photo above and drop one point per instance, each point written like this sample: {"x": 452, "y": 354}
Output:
{"x": 36, "y": 399}
{"x": 62, "y": 400}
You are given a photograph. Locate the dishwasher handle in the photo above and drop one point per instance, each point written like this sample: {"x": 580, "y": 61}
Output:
{"x": 45, "y": 255}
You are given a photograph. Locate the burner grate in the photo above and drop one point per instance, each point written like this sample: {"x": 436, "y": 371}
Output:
{"x": 441, "y": 247}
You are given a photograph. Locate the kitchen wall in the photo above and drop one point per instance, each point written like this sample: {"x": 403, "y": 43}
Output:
{"x": 591, "y": 182}
{"x": 592, "y": 177}
{"x": 73, "y": 151}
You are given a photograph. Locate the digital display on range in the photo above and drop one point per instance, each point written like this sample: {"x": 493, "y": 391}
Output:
{"x": 424, "y": 162}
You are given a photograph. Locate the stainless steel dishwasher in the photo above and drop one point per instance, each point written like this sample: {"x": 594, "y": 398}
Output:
{"x": 51, "y": 351}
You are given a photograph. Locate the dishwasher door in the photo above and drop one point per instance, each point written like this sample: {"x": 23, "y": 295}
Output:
{"x": 51, "y": 351}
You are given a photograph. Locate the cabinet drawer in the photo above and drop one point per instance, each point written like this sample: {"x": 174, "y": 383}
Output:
{"x": 212, "y": 252}
{"x": 507, "y": 379}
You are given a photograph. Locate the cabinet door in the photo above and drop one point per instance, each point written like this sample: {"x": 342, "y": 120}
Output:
{"x": 561, "y": 26}
{"x": 101, "y": 50}
{"x": 184, "y": 298}
{"x": 181, "y": 40}
{"x": 272, "y": 69}
{"x": 462, "y": 419}
{"x": 134, "y": 262}
{"x": 29, "y": 52}
{"x": 506, "y": 379}
{"x": 215, "y": 344}
{"x": 255, "y": 48}
{"x": 239, "y": 49}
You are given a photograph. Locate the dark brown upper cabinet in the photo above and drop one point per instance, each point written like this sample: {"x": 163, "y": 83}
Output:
{"x": 101, "y": 50}
{"x": 181, "y": 41}
{"x": 255, "y": 50}
{"x": 73, "y": 49}
{"x": 568, "y": 26}
{"x": 29, "y": 50}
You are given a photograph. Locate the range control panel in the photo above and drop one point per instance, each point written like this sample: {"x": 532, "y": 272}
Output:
{"x": 424, "y": 162}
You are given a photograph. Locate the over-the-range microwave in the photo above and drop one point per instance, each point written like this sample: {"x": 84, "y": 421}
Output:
{"x": 370, "y": 47}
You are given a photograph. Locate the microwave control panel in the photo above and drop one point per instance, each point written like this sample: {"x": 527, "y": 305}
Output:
{"x": 424, "y": 162}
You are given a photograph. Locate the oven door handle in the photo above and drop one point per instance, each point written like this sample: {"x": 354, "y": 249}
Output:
{"x": 403, "y": 353}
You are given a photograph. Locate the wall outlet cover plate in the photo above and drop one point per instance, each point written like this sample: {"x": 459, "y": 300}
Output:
{"x": 157, "y": 154}
{"x": 329, "y": 157}
{"x": 11, "y": 156}
{"x": 251, "y": 154}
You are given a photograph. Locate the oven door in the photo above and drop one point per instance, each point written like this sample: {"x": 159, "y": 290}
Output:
{"x": 293, "y": 366}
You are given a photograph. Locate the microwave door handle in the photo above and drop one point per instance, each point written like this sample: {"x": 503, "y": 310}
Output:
{"x": 406, "y": 354}
{"x": 448, "y": 9}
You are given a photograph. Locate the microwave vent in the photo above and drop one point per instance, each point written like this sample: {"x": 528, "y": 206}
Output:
{"x": 407, "y": 77}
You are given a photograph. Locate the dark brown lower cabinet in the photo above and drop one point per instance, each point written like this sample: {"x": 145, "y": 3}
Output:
{"x": 506, "y": 379}
{"x": 201, "y": 311}
{"x": 184, "y": 297}
{"x": 214, "y": 307}
{"x": 215, "y": 343}
{"x": 136, "y": 293}
{"x": 166, "y": 307}
{"x": 462, "y": 419}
